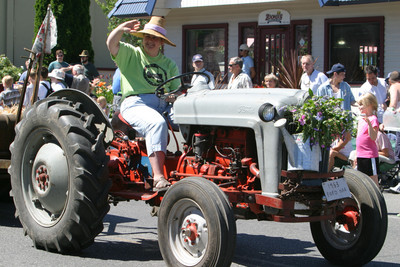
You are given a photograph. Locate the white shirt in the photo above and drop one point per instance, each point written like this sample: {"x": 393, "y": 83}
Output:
{"x": 241, "y": 81}
{"x": 313, "y": 81}
{"x": 379, "y": 90}
{"x": 57, "y": 86}
{"x": 41, "y": 93}
{"x": 346, "y": 149}
{"x": 201, "y": 79}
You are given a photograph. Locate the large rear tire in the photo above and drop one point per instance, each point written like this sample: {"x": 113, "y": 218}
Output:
{"x": 196, "y": 225}
{"x": 354, "y": 244}
{"x": 58, "y": 175}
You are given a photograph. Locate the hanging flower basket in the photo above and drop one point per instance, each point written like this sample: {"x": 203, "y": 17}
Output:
{"x": 320, "y": 120}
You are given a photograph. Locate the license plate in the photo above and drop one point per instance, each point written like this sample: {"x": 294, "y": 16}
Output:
{"x": 336, "y": 189}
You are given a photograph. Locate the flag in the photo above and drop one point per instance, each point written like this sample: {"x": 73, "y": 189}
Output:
{"x": 49, "y": 22}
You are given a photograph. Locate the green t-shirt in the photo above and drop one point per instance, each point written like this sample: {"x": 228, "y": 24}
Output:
{"x": 141, "y": 74}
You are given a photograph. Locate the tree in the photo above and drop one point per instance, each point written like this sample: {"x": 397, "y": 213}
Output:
{"x": 73, "y": 27}
{"x": 106, "y": 6}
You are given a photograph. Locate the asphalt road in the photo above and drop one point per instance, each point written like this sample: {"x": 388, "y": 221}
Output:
{"x": 129, "y": 238}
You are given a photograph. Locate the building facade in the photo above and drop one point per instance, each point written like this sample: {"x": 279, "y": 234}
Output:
{"x": 354, "y": 35}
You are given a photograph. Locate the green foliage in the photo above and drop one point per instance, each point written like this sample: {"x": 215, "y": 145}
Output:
{"x": 290, "y": 71}
{"x": 321, "y": 119}
{"x": 100, "y": 88}
{"x": 106, "y": 6}
{"x": 73, "y": 27}
{"x": 7, "y": 68}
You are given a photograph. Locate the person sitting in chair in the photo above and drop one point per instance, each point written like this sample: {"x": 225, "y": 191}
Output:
{"x": 340, "y": 151}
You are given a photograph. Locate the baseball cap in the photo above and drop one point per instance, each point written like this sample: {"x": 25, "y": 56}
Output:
{"x": 337, "y": 68}
{"x": 197, "y": 57}
{"x": 244, "y": 47}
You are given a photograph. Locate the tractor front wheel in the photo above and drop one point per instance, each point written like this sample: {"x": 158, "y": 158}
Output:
{"x": 359, "y": 230}
{"x": 196, "y": 225}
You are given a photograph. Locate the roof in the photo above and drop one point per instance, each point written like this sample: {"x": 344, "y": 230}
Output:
{"x": 350, "y": 2}
{"x": 132, "y": 8}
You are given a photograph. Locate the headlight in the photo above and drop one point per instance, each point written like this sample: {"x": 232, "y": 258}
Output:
{"x": 267, "y": 112}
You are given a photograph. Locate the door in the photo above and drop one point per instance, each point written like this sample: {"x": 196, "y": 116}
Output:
{"x": 274, "y": 43}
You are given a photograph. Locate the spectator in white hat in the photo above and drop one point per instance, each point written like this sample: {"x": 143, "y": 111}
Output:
{"x": 197, "y": 79}
{"x": 57, "y": 78}
{"x": 248, "y": 63}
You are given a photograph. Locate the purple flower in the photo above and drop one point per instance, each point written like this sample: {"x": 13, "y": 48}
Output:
{"x": 302, "y": 120}
{"x": 319, "y": 116}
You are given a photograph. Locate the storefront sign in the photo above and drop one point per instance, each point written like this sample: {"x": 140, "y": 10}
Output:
{"x": 273, "y": 17}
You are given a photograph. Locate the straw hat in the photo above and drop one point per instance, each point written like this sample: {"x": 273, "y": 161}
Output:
{"x": 84, "y": 53}
{"x": 156, "y": 28}
{"x": 58, "y": 74}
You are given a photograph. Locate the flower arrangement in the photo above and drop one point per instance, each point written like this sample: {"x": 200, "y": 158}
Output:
{"x": 321, "y": 119}
{"x": 100, "y": 88}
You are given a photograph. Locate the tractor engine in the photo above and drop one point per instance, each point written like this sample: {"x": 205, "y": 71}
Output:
{"x": 221, "y": 154}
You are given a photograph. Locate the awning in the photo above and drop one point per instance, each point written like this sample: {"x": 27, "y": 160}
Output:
{"x": 132, "y": 8}
{"x": 350, "y": 2}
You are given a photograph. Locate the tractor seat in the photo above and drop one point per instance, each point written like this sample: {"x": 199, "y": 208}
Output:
{"x": 118, "y": 123}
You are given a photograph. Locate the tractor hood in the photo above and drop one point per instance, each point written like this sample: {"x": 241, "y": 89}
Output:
{"x": 235, "y": 107}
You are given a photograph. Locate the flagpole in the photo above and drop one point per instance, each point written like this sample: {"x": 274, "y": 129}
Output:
{"x": 41, "y": 57}
{"x": 28, "y": 73}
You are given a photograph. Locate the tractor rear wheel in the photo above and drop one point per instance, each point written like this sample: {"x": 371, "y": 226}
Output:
{"x": 357, "y": 234}
{"x": 196, "y": 225}
{"x": 58, "y": 175}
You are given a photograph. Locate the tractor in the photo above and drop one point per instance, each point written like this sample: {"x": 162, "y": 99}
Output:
{"x": 69, "y": 162}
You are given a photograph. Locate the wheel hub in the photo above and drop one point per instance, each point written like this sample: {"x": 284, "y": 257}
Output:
{"x": 194, "y": 235}
{"x": 190, "y": 233}
{"x": 42, "y": 178}
{"x": 349, "y": 218}
{"x": 50, "y": 178}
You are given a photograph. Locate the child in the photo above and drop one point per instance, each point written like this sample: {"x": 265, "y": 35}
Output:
{"x": 9, "y": 96}
{"x": 102, "y": 101}
{"x": 271, "y": 81}
{"x": 367, "y": 132}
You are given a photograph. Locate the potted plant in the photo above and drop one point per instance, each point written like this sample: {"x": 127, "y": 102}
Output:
{"x": 320, "y": 120}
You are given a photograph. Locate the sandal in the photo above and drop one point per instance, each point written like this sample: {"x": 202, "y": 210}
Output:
{"x": 161, "y": 184}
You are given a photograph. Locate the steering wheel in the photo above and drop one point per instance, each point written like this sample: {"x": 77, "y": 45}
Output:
{"x": 160, "y": 90}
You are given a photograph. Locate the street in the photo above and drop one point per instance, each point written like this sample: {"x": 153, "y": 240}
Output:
{"x": 129, "y": 238}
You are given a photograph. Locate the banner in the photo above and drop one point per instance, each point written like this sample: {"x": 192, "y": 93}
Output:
{"x": 50, "y": 24}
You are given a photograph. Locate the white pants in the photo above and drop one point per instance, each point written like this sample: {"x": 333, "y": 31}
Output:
{"x": 144, "y": 113}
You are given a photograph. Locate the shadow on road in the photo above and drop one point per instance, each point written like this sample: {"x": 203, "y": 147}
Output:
{"x": 7, "y": 215}
{"x": 140, "y": 250}
{"x": 260, "y": 250}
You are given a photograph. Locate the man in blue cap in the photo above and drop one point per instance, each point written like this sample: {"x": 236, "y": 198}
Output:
{"x": 197, "y": 79}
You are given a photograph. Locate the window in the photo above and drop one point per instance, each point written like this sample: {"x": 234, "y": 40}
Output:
{"x": 211, "y": 42}
{"x": 247, "y": 35}
{"x": 301, "y": 34}
{"x": 356, "y": 43}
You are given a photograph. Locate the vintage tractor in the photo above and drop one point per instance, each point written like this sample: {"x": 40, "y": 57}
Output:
{"x": 68, "y": 163}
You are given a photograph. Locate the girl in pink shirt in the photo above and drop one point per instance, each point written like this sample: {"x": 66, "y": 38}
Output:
{"x": 367, "y": 132}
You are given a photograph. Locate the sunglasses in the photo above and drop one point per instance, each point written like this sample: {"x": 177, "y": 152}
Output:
{"x": 230, "y": 65}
